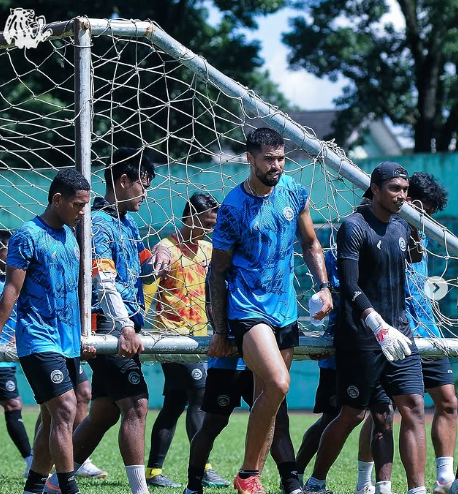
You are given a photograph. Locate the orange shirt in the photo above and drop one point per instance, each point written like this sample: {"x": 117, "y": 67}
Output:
{"x": 180, "y": 296}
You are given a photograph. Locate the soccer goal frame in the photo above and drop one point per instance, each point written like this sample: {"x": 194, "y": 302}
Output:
{"x": 167, "y": 348}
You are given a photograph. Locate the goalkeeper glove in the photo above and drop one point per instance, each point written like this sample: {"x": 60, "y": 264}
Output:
{"x": 395, "y": 346}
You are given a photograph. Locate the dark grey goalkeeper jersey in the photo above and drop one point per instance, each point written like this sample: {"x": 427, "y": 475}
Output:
{"x": 380, "y": 250}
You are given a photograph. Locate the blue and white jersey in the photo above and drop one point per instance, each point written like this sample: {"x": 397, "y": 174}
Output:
{"x": 8, "y": 330}
{"x": 330, "y": 260}
{"x": 226, "y": 363}
{"x": 418, "y": 306}
{"x": 261, "y": 232}
{"x": 48, "y": 311}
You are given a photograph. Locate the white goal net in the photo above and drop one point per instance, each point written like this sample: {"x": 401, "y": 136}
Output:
{"x": 97, "y": 85}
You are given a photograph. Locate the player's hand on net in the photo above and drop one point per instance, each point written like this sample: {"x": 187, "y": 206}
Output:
{"x": 161, "y": 260}
{"x": 394, "y": 345}
{"x": 129, "y": 343}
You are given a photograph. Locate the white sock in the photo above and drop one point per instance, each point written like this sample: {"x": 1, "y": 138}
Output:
{"x": 364, "y": 473}
{"x": 136, "y": 478}
{"x": 444, "y": 469}
{"x": 383, "y": 487}
{"x": 417, "y": 490}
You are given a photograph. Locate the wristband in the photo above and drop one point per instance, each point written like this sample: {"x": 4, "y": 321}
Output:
{"x": 326, "y": 284}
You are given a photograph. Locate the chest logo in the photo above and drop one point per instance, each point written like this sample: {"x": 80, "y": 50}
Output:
{"x": 402, "y": 244}
{"x": 288, "y": 213}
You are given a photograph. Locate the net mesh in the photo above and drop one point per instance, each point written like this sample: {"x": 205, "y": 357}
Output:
{"x": 195, "y": 133}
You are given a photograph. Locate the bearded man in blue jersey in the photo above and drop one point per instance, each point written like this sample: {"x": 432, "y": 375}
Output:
{"x": 253, "y": 253}
{"x": 42, "y": 271}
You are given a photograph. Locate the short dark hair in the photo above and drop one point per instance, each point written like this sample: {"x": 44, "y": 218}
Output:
{"x": 130, "y": 161}
{"x": 424, "y": 187}
{"x": 5, "y": 235}
{"x": 67, "y": 182}
{"x": 263, "y": 137}
{"x": 198, "y": 203}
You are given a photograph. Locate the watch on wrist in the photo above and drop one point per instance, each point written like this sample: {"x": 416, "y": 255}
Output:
{"x": 326, "y": 284}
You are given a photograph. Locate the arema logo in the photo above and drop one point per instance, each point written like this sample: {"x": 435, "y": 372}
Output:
{"x": 196, "y": 374}
{"x": 24, "y": 30}
{"x": 436, "y": 288}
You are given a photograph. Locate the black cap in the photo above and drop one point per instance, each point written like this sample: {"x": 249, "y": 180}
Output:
{"x": 385, "y": 171}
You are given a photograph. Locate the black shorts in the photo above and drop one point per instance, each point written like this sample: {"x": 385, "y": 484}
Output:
{"x": 225, "y": 388}
{"x": 8, "y": 384}
{"x": 116, "y": 378}
{"x": 50, "y": 374}
{"x": 184, "y": 377}
{"x": 82, "y": 376}
{"x": 360, "y": 370}
{"x": 437, "y": 372}
{"x": 287, "y": 336}
{"x": 327, "y": 401}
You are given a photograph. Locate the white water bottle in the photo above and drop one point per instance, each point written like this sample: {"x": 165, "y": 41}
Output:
{"x": 315, "y": 305}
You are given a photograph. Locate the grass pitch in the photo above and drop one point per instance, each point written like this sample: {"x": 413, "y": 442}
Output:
{"x": 226, "y": 458}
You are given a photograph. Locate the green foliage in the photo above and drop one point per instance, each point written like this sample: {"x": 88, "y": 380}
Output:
{"x": 408, "y": 74}
{"x": 226, "y": 458}
{"x": 36, "y": 87}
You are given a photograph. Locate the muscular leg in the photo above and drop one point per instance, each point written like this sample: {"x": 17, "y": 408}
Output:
{"x": 333, "y": 439}
{"x": 382, "y": 443}
{"x": 262, "y": 356}
{"x": 83, "y": 397}
{"x": 311, "y": 441}
{"x": 443, "y": 429}
{"x": 412, "y": 440}
{"x": 102, "y": 416}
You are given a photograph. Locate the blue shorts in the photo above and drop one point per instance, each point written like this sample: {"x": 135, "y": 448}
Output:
{"x": 437, "y": 372}
{"x": 8, "y": 384}
{"x": 183, "y": 377}
{"x": 286, "y": 336}
{"x": 82, "y": 376}
{"x": 50, "y": 374}
{"x": 360, "y": 370}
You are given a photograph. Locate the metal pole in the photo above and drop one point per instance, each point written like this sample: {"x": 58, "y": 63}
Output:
{"x": 83, "y": 125}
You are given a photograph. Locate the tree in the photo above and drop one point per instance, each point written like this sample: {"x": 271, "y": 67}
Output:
{"x": 224, "y": 46}
{"x": 408, "y": 75}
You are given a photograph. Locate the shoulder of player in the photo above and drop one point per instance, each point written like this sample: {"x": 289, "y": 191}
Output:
{"x": 291, "y": 184}
{"x": 398, "y": 221}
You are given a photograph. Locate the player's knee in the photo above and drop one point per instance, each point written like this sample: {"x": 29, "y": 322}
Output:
{"x": 413, "y": 410}
{"x": 83, "y": 393}
{"x": 134, "y": 409}
{"x": 448, "y": 406}
{"x": 12, "y": 404}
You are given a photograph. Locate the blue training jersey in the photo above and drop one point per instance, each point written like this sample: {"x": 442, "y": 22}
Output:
{"x": 234, "y": 363}
{"x": 117, "y": 247}
{"x": 418, "y": 306}
{"x": 8, "y": 330}
{"x": 48, "y": 311}
{"x": 260, "y": 233}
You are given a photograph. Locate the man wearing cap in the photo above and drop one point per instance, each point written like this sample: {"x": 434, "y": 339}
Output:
{"x": 373, "y": 339}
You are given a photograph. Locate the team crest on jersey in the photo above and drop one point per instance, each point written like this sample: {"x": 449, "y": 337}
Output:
{"x": 223, "y": 400}
{"x": 196, "y": 374}
{"x": 288, "y": 213}
{"x": 402, "y": 244}
{"x": 134, "y": 378}
{"x": 353, "y": 391}
{"x": 57, "y": 376}
{"x": 10, "y": 385}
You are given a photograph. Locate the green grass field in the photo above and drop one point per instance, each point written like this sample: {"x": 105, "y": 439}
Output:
{"x": 226, "y": 459}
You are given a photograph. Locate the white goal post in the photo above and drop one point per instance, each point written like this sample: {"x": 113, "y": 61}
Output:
{"x": 166, "y": 96}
